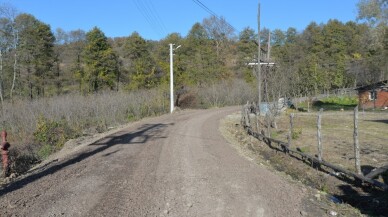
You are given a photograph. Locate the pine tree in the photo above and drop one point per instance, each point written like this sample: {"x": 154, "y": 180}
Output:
{"x": 142, "y": 67}
{"x": 101, "y": 67}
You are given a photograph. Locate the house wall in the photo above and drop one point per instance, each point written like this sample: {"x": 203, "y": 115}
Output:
{"x": 381, "y": 101}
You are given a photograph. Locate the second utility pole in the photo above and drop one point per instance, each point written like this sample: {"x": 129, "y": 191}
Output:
{"x": 171, "y": 79}
{"x": 258, "y": 59}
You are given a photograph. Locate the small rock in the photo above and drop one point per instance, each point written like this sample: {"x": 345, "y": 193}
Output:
{"x": 334, "y": 199}
{"x": 166, "y": 212}
{"x": 333, "y": 213}
{"x": 318, "y": 196}
{"x": 303, "y": 213}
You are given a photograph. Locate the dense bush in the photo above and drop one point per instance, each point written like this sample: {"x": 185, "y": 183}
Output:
{"x": 52, "y": 135}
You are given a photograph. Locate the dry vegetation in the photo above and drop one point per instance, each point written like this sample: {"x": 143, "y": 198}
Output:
{"x": 39, "y": 127}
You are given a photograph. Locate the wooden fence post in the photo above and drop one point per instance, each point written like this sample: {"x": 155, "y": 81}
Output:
{"x": 291, "y": 132}
{"x": 247, "y": 120}
{"x": 242, "y": 115}
{"x": 319, "y": 136}
{"x": 356, "y": 144}
{"x": 257, "y": 123}
{"x": 268, "y": 121}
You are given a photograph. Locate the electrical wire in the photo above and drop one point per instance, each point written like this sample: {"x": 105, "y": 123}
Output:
{"x": 207, "y": 9}
{"x": 151, "y": 16}
{"x": 153, "y": 11}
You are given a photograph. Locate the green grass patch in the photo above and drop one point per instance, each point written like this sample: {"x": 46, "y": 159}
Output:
{"x": 336, "y": 103}
{"x": 296, "y": 133}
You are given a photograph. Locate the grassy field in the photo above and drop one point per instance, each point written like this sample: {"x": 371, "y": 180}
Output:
{"x": 337, "y": 136}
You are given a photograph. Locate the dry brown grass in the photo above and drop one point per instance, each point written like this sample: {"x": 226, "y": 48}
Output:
{"x": 75, "y": 114}
{"x": 80, "y": 112}
{"x": 337, "y": 137}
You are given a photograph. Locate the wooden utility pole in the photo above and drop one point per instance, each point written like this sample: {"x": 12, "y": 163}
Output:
{"x": 269, "y": 46}
{"x": 258, "y": 59}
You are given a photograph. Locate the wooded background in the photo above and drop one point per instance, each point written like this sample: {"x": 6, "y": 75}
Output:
{"x": 37, "y": 61}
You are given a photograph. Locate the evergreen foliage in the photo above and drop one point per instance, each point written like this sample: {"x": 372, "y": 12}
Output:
{"x": 100, "y": 62}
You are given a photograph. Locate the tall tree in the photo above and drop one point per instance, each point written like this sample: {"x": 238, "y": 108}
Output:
{"x": 9, "y": 44}
{"x": 375, "y": 13}
{"x": 36, "y": 51}
{"x": 199, "y": 57}
{"x": 101, "y": 69}
{"x": 142, "y": 67}
{"x": 220, "y": 31}
{"x": 247, "y": 52}
{"x": 221, "y": 34}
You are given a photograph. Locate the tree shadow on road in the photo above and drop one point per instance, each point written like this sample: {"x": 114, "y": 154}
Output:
{"x": 141, "y": 135}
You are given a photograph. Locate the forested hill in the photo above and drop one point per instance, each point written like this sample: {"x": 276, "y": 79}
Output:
{"x": 37, "y": 61}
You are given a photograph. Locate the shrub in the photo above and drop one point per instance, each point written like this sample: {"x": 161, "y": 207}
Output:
{"x": 296, "y": 133}
{"x": 52, "y": 135}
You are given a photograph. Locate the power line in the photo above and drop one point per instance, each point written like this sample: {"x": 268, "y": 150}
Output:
{"x": 151, "y": 8}
{"x": 207, "y": 9}
{"x": 151, "y": 16}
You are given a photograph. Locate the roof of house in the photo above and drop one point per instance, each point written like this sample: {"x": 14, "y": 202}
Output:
{"x": 378, "y": 85}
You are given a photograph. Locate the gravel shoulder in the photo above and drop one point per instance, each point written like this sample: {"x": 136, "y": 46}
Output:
{"x": 172, "y": 165}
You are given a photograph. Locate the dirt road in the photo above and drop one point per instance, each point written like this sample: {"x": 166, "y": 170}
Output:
{"x": 173, "y": 165}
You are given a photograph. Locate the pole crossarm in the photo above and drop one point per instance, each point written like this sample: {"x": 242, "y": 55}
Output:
{"x": 255, "y": 64}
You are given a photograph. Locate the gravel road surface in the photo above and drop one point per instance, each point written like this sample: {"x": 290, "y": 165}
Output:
{"x": 173, "y": 165}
